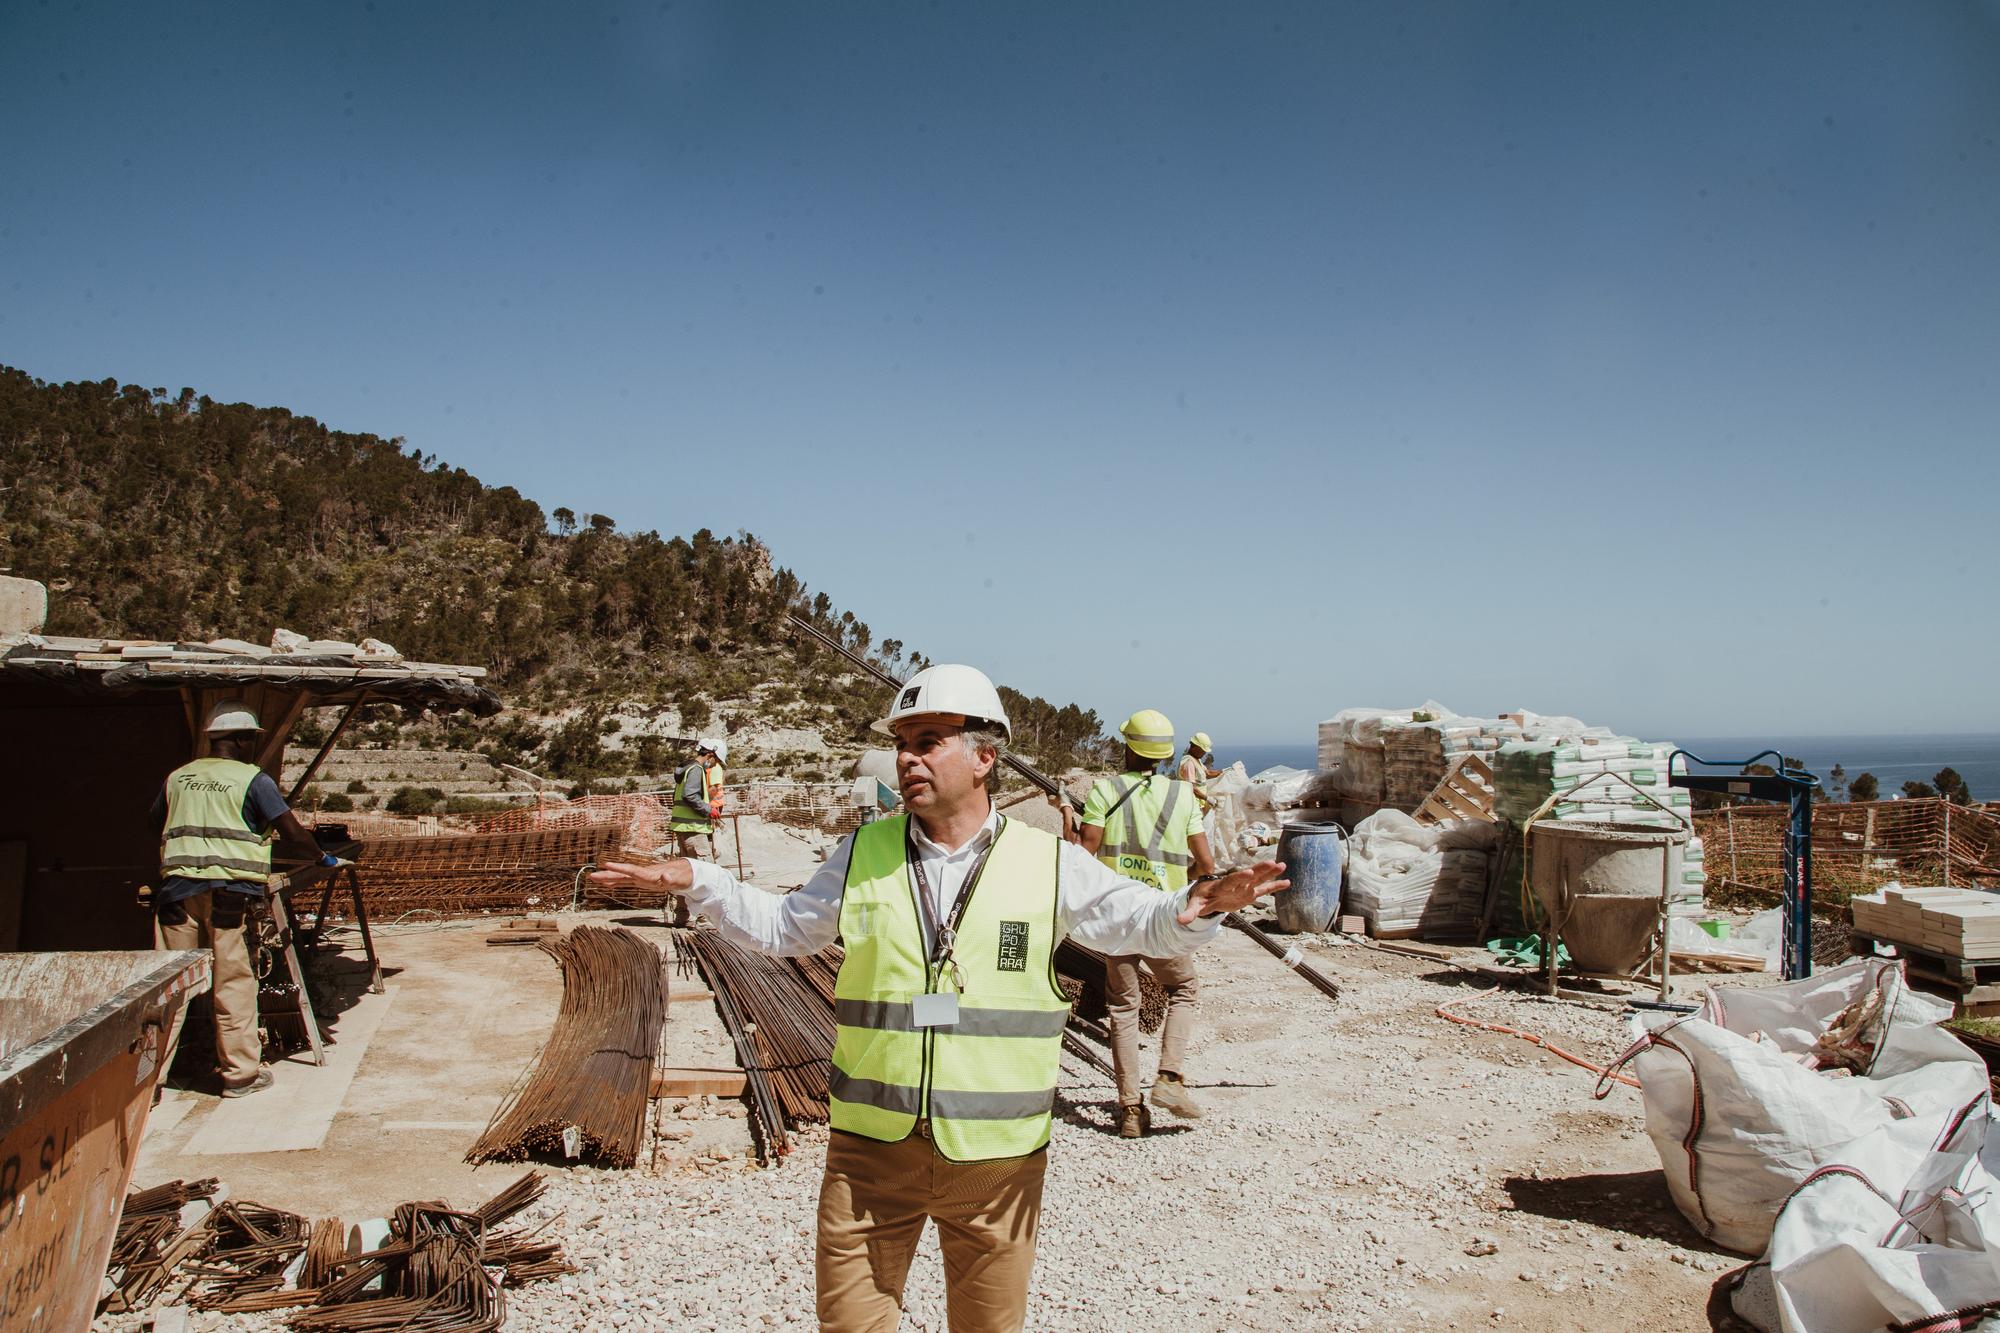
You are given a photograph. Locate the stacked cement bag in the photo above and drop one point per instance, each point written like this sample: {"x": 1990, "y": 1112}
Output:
{"x": 1572, "y": 770}
{"x": 1427, "y": 880}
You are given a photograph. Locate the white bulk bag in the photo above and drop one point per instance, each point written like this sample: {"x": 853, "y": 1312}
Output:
{"x": 1739, "y": 1122}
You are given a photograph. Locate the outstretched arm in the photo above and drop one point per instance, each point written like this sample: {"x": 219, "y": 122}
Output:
{"x": 788, "y": 925}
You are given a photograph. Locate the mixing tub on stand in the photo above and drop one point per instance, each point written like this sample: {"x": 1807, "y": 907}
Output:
{"x": 1312, "y": 857}
{"x": 1603, "y": 890}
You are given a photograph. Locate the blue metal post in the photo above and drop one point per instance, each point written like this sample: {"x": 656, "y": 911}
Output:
{"x": 1798, "y": 887}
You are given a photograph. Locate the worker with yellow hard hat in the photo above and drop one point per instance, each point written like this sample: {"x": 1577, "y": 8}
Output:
{"x": 1195, "y": 770}
{"x": 1147, "y": 826}
{"x": 948, "y": 1042}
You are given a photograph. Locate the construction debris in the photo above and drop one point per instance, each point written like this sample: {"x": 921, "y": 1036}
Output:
{"x": 442, "y": 1270}
{"x": 587, "y": 1097}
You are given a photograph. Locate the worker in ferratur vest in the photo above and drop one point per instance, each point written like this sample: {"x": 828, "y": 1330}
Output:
{"x": 216, "y": 814}
{"x": 1195, "y": 770}
{"x": 697, "y": 805}
{"x": 1147, "y": 827}
{"x": 949, "y": 1019}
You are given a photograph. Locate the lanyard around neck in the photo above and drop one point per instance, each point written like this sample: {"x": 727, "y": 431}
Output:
{"x": 945, "y": 932}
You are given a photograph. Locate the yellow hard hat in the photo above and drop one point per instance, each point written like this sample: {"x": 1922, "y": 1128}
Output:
{"x": 1148, "y": 734}
{"x": 1201, "y": 741}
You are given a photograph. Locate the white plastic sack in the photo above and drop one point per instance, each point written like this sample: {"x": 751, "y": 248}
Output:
{"x": 1277, "y": 788}
{"x": 1905, "y": 1234}
{"x": 1738, "y": 1119}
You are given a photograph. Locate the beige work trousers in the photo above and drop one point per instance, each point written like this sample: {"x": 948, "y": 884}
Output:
{"x": 238, "y": 1050}
{"x": 701, "y": 846}
{"x": 1121, "y": 995}
{"x": 872, "y": 1207}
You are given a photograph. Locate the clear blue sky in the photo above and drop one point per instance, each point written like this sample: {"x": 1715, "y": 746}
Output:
{"x": 1247, "y": 361}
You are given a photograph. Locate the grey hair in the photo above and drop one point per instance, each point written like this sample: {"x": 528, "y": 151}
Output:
{"x": 986, "y": 734}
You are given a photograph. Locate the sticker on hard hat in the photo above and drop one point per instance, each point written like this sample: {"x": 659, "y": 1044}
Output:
{"x": 909, "y": 698}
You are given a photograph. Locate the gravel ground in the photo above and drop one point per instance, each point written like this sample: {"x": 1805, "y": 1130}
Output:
{"x": 1363, "y": 1164}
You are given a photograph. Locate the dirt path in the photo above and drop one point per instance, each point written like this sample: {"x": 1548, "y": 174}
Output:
{"x": 1362, "y": 1165}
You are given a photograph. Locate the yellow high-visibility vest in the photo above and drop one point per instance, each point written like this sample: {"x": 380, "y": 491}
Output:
{"x": 986, "y": 1084}
{"x": 206, "y": 837}
{"x": 690, "y": 812}
{"x": 1146, "y": 837}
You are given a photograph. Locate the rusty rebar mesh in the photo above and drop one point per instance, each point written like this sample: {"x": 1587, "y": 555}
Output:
{"x": 826, "y": 806}
{"x": 468, "y": 874}
{"x": 595, "y": 1074}
{"x": 1856, "y": 847}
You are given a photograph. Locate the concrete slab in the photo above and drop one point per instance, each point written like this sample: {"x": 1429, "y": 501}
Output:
{"x": 464, "y": 1023}
{"x": 417, "y": 1077}
{"x": 298, "y": 1109}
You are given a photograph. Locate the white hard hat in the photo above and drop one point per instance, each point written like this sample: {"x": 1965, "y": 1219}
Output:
{"x": 947, "y": 689}
{"x": 716, "y": 746}
{"x": 231, "y": 715}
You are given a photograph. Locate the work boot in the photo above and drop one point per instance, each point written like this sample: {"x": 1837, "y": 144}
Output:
{"x": 1171, "y": 1094}
{"x": 1133, "y": 1121}
{"x": 257, "y": 1084}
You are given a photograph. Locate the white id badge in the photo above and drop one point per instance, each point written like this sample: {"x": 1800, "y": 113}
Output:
{"x": 935, "y": 1011}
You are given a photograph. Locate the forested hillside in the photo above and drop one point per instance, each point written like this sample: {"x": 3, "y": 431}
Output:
{"x": 163, "y": 515}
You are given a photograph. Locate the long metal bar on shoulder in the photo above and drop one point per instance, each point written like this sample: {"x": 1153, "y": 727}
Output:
{"x": 1020, "y": 766}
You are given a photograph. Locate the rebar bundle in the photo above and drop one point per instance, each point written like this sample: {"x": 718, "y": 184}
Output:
{"x": 587, "y": 1096}
{"x": 779, "y": 1012}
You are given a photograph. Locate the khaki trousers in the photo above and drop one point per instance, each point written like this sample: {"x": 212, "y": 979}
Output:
{"x": 238, "y": 1050}
{"x": 872, "y": 1207}
{"x": 1121, "y": 995}
{"x": 700, "y": 846}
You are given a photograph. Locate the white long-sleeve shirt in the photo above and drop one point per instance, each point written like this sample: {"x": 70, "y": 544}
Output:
{"x": 1096, "y": 906}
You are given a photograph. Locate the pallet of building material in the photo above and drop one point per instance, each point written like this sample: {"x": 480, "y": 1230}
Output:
{"x": 1952, "y": 922}
{"x": 586, "y": 1099}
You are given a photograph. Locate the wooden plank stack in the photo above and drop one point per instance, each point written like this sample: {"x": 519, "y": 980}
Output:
{"x": 1953, "y": 923}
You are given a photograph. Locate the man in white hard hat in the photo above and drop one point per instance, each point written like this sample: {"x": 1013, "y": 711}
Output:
{"x": 949, "y": 1018}
{"x": 1147, "y": 826}
{"x": 697, "y": 805}
{"x": 216, "y": 814}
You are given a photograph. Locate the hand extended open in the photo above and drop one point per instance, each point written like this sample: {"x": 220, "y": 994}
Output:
{"x": 1233, "y": 891}
{"x": 673, "y": 874}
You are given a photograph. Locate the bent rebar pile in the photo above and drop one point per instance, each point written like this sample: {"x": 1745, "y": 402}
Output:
{"x": 442, "y": 1271}
{"x": 595, "y": 1074}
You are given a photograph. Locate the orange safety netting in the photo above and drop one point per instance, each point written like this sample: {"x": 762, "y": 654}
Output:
{"x": 1857, "y": 846}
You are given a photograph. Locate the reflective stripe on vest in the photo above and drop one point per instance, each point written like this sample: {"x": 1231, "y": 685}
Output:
{"x": 986, "y": 1083}
{"x": 684, "y": 818}
{"x": 206, "y": 837}
{"x": 1142, "y": 844}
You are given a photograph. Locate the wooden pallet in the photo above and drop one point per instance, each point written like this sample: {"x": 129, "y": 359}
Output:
{"x": 1973, "y": 984}
{"x": 1465, "y": 793}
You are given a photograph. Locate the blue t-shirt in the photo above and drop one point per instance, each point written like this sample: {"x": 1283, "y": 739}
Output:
{"x": 262, "y": 804}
